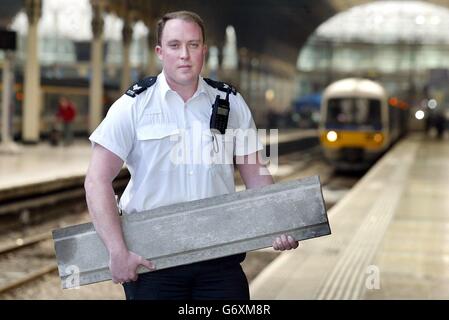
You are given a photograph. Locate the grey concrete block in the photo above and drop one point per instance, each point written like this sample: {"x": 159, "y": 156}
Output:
{"x": 198, "y": 230}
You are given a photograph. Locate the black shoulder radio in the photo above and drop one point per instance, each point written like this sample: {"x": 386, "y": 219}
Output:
{"x": 220, "y": 114}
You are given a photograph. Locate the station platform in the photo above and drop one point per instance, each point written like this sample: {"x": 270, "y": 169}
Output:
{"x": 37, "y": 166}
{"x": 42, "y": 163}
{"x": 390, "y": 235}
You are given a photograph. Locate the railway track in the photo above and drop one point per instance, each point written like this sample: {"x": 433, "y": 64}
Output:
{"x": 32, "y": 257}
{"x": 26, "y": 262}
{"x": 29, "y": 255}
{"x": 46, "y": 203}
{"x": 23, "y": 242}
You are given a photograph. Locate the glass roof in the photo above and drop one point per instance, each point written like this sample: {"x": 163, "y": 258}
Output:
{"x": 71, "y": 19}
{"x": 389, "y": 22}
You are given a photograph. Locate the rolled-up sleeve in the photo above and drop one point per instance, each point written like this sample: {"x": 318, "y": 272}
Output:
{"x": 116, "y": 132}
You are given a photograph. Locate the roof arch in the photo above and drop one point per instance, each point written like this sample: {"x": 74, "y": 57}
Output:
{"x": 389, "y": 22}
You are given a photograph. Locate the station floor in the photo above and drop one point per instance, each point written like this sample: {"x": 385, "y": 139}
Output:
{"x": 390, "y": 235}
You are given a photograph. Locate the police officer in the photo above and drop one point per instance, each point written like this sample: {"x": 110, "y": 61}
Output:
{"x": 142, "y": 128}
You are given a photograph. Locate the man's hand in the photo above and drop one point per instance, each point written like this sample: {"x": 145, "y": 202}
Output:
{"x": 123, "y": 266}
{"x": 285, "y": 242}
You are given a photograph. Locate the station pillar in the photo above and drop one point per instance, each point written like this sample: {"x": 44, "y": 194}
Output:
{"x": 127, "y": 35}
{"x": 96, "y": 81}
{"x": 244, "y": 76}
{"x": 151, "y": 42}
{"x": 32, "y": 101}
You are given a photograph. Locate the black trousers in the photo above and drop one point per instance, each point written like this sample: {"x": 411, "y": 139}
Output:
{"x": 217, "y": 279}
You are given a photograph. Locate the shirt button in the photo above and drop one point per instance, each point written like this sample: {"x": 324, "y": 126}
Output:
{"x": 191, "y": 173}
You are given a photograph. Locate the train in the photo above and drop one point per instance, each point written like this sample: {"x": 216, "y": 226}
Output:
{"x": 358, "y": 122}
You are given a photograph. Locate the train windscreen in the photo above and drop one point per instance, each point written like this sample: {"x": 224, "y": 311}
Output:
{"x": 350, "y": 112}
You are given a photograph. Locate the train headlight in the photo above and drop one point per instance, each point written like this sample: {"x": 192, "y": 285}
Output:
{"x": 378, "y": 138}
{"x": 419, "y": 114}
{"x": 332, "y": 136}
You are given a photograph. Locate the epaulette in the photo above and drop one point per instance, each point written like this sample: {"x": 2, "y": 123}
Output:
{"x": 222, "y": 86}
{"x": 140, "y": 86}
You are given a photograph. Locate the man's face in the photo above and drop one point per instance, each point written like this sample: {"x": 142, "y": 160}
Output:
{"x": 182, "y": 51}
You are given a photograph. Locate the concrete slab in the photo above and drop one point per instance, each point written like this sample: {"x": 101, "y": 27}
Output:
{"x": 198, "y": 230}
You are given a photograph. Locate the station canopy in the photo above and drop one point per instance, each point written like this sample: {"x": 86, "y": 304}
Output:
{"x": 389, "y": 22}
{"x": 381, "y": 37}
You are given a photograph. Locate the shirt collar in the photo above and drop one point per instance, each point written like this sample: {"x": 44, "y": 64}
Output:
{"x": 201, "y": 88}
{"x": 165, "y": 88}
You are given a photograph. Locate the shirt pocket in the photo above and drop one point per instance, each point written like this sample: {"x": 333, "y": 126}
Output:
{"x": 157, "y": 144}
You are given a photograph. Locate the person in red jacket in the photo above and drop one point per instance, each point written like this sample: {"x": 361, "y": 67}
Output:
{"x": 66, "y": 114}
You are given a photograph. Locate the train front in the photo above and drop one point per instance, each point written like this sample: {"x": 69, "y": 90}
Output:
{"x": 354, "y": 123}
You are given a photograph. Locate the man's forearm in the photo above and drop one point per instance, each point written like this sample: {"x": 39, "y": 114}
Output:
{"x": 103, "y": 210}
{"x": 254, "y": 175}
{"x": 258, "y": 180}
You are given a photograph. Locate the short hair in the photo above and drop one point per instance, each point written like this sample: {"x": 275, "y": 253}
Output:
{"x": 182, "y": 15}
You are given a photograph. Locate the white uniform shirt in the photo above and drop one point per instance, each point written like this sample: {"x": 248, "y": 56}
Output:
{"x": 168, "y": 147}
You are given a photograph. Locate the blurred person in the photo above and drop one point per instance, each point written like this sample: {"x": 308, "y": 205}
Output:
{"x": 429, "y": 122}
{"x": 66, "y": 115}
{"x": 137, "y": 131}
{"x": 440, "y": 124}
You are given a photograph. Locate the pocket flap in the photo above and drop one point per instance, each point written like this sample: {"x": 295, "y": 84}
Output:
{"x": 156, "y": 131}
